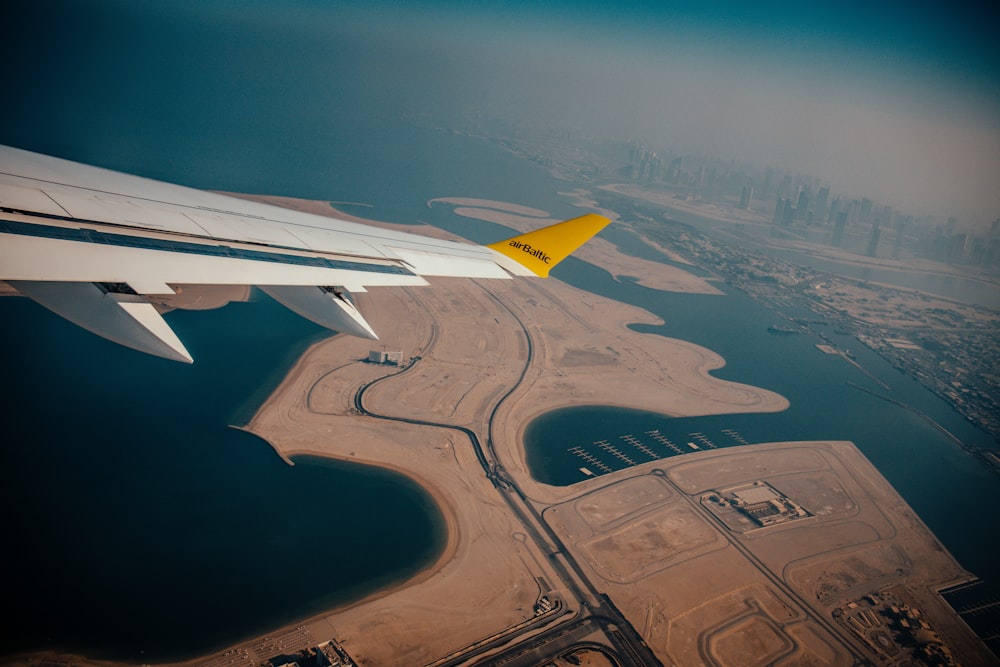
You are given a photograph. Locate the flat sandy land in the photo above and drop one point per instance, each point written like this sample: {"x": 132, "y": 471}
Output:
{"x": 695, "y": 599}
{"x": 898, "y": 308}
{"x": 701, "y": 595}
{"x": 472, "y": 351}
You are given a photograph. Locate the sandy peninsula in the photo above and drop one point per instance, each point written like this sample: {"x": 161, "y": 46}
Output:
{"x": 490, "y": 356}
{"x": 473, "y": 340}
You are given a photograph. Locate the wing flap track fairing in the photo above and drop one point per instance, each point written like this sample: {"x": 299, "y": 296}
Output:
{"x": 326, "y": 306}
{"x": 127, "y": 319}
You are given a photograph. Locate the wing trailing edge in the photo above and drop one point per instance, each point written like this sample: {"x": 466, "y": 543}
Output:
{"x": 93, "y": 245}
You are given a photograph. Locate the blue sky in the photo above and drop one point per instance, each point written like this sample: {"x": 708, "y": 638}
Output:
{"x": 900, "y": 102}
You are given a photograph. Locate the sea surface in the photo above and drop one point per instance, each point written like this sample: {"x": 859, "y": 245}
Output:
{"x": 141, "y": 527}
{"x": 149, "y": 529}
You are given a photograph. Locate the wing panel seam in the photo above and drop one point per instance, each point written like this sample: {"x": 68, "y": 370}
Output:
{"x": 145, "y": 243}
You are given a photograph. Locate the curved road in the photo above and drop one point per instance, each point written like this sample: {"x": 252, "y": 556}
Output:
{"x": 595, "y": 608}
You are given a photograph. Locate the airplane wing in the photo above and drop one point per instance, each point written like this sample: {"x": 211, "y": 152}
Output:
{"x": 92, "y": 244}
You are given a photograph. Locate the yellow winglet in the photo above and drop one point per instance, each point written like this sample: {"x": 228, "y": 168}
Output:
{"x": 540, "y": 250}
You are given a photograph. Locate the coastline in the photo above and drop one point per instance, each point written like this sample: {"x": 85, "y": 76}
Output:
{"x": 444, "y": 466}
{"x": 451, "y": 528}
{"x": 260, "y": 428}
{"x": 460, "y": 380}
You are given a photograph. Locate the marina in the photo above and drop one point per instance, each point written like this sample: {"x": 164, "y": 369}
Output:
{"x": 978, "y": 603}
{"x": 611, "y": 454}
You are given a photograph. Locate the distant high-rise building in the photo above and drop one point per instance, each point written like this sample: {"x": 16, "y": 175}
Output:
{"x": 650, "y": 167}
{"x": 779, "y": 210}
{"x": 788, "y": 214}
{"x": 745, "y": 197}
{"x": 992, "y": 252}
{"x": 821, "y": 198}
{"x": 785, "y": 187}
{"x": 873, "y": 241}
{"x": 734, "y": 182}
{"x": 897, "y": 244}
{"x": 802, "y": 204}
{"x": 768, "y": 181}
{"x": 937, "y": 247}
{"x": 977, "y": 251}
{"x": 838, "y": 229}
{"x": 886, "y": 215}
{"x": 958, "y": 244}
{"x": 835, "y": 207}
{"x": 865, "y": 212}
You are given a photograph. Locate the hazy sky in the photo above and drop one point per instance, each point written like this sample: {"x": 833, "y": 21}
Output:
{"x": 900, "y": 103}
{"x": 896, "y": 101}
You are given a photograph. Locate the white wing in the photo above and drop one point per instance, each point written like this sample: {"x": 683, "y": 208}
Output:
{"x": 90, "y": 244}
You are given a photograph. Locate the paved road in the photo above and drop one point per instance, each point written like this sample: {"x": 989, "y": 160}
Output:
{"x": 596, "y": 611}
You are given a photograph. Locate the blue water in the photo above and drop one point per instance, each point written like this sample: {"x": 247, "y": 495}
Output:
{"x": 151, "y": 529}
{"x": 139, "y": 525}
{"x": 151, "y": 516}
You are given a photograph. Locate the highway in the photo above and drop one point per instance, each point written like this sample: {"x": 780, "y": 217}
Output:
{"x": 530, "y": 645}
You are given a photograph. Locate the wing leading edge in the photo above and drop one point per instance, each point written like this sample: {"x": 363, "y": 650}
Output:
{"x": 92, "y": 245}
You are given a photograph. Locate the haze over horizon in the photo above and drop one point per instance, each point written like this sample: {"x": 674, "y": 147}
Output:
{"x": 899, "y": 103}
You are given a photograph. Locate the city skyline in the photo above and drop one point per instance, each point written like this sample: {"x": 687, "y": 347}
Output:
{"x": 912, "y": 124}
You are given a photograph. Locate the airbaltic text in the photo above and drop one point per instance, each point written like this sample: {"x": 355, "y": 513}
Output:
{"x": 534, "y": 252}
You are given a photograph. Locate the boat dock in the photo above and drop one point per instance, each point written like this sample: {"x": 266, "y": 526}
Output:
{"x": 609, "y": 454}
